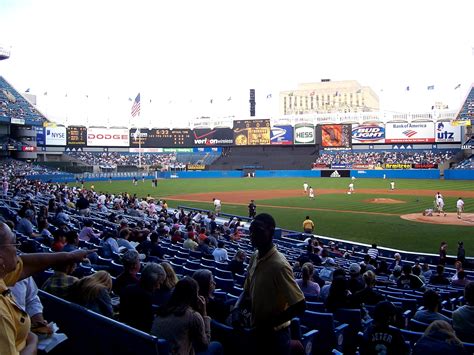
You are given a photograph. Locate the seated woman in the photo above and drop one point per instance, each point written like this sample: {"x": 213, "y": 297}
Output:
{"x": 309, "y": 287}
{"x": 184, "y": 323}
{"x": 216, "y": 308}
{"x": 439, "y": 338}
{"x": 162, "y": 295}
{"x": 93, "y": 292}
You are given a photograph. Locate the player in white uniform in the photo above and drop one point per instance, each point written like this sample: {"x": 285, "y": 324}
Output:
{"x": 392, "y": 185}
{"x": 460, "y": 206}
{"x": 440, "y": 204}
{"x": 351, "y": 187}
{"x": 311, "y": 193}
{"x": 217, "y": 206}
{"x": 305, "y": 187}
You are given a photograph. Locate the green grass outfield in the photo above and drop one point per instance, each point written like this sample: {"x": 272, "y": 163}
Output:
{"x": 331, "y": 212}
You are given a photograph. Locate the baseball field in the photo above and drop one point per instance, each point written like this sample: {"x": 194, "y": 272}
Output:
{"x": 373, "y": 213}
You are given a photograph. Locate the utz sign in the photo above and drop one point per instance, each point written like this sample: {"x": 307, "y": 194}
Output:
{"x": 446, "y": 132}
{"x": 374, "y": 133}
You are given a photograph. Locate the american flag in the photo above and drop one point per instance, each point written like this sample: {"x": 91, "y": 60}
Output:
{"x": 136, "y": 106}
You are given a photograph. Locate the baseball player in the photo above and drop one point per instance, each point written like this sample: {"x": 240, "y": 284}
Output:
{"x": 392, "y": 185}
{"x": 460, "y": 207}
{"x": 305, "y": 187}
{"x": 311, "y": 193}
{"x": 217, "y": 206}
{"x": 440, "y": 204}
{"x": 351, "y": 187}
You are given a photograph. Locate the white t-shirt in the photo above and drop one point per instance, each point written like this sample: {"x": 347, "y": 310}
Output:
{"x": 220, "y": 254}
{"x": 459, "y": 204}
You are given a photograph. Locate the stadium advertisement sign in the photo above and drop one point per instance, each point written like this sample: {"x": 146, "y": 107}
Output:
{"x": 252, "y": 132}
{"x": 281, "y": 135}
{"x": 76, "y": 136}
{"x": 341, "y": 166}
{"x": 364, "y": 134}
{"x": 55, "y": 135}
{"x": 415, "y": 132}
{"x": 213, "y": 137}
{"x": 397, "y": 166}
{"x": 424, "y": 166}
{"x": 40, "y": 137}
{"x": 195, "y": 167}
{"x": 304, "y": 133}
{"x": 447, "y": 133}
{"x": 336, "y": 135}
{"x": 107, "y": 137}
{"x": 319, "y": 166}
{"x": 362, "y": 166}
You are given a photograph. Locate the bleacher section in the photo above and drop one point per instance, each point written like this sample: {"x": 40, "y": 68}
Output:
{"x": 14, "y": 106}
{"x": 466, "y": 163}
{"x": 268, "y": 158}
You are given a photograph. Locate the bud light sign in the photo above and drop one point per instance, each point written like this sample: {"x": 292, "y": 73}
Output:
{"x": 363, "y": 134}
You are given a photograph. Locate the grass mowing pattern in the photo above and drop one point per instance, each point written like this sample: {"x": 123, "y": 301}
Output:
{"x": 389, "y": 231}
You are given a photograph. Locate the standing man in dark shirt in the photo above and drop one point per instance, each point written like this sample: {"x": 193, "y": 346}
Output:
{"x": 82, "y": 205}
{"x": 252, "y": 209}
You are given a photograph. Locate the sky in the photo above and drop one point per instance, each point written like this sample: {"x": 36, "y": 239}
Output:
{"x": 181, "y": 54}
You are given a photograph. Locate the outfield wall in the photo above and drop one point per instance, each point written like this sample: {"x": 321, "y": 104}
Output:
{"x": 219, "y": 174}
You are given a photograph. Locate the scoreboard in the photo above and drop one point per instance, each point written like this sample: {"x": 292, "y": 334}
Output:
{"x": 163, "y": 138}
{"x": 76, "y": 136}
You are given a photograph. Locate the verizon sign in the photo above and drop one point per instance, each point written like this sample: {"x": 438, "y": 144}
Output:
{"x": 103, "y": 137}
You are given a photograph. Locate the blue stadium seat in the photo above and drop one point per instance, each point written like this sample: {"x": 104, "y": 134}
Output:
{"x": 331, "y": 333}
{"x": 224, "y": 284}
{"x": 93, "y": 334}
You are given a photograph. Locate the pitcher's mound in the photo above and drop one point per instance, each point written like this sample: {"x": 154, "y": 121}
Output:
{"x": 467, "y": 219}
{"x": 383, "y": 200}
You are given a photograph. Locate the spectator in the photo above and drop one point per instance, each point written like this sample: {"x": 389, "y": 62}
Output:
{"x": 461, "y": 255}
{"x": 177, "y": 238}
{"x": 458, "y": 267}
{"x": 397, "y": 261}
{"x": 355, "y": 281}
{"x": 463, "y": 317}
{"x": 44, "y": 234}
{"x": 439, "y": 278}
{"x": 309, "y": 287}
{"x": 131, "y": 266}
{"x": 136, "y": 307}
{"x": 162, "y": 295}
{"x": 373, "y": 252}
{"x": 382, "y": 270}
{"x": 409, "y": 281}
{"x": 190, "y": 243}
{"x": 122, "y": 240}
{"x": 439, "y": 339}
{"x": 216, "y": 308}
{"x": 183, "y": 321}
{"x": 339, "y": 295}
{"x": 151, "y": 247}
{"x": 431, "y": 303}
{"x": 82, "y": 205}
{"x": 72, "y": 241}
{"x": 416, "y": 269}
{"x": 87, "y": 233}
{"x": 220, "y": 253}
{"x": 309, "y": 255}
{"x": 397, "y": 272}
{"x": 381, "y": 338}
{"x": 61, "y": 217}
{"x": 368, "y": 296}
{"x": 59, "y": 284}
{"x": 204, "y": 247}
{"x": 443, "y": 252}
{"x": 338, "y": 273}
{"x": 236, "y": 265}
{"x": 109, "y": 245}
{"x": 271, "y": 316}
{"x": 427, "y": 273}
{"x": 461, "y": 280}
{"x": 59, "y": 240}
{"x": 329, "y": 267}
{"x": 93, "y": 292}
{"x": 25, "y": 226}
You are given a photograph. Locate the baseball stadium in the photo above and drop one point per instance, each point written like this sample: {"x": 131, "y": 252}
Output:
{"x": 333, "y": 227}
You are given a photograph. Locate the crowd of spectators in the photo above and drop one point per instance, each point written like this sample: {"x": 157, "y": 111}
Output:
{"x": 380, "y": 158}
{"x": 113, "y": 159}
{"x": 13, "y": 105}
{"x": 139, "y": 232}
{"x": 466, "y": 163}
{"x": 18, "y": 168}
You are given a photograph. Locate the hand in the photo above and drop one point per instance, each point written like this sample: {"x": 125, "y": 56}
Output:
{"x": 201, "y": 306}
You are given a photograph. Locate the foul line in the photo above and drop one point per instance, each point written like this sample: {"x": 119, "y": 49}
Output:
{"x": 296, "y": 207}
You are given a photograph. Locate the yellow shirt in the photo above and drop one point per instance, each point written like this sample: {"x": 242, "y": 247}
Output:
{"x": 308, "y": 224}
{"x": 14, "y": 322}
{"x": 271, "y": 286}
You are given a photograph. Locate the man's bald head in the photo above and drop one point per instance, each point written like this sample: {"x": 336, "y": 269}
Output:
{"x": 6, "y": 234}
